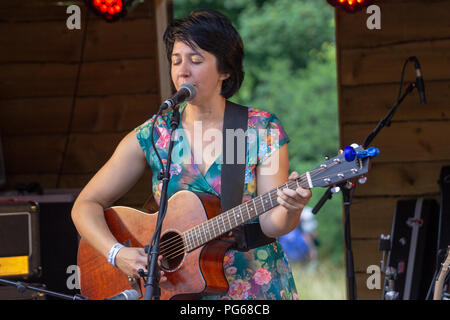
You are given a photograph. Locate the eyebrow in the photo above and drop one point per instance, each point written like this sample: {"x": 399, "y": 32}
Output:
{"x": 195, "y": 53}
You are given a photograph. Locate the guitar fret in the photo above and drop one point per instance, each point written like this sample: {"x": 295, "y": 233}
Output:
{"x": 218, "y": 227}
{"x": 254, "y": 207}
{"x": 185, "y": 238}
{"x": 212, "y": 229}
{"x": 200, "y": 233}
{"x": 262, "y": 203}
{"x": 270, "y": 197}
{"x": 229, "y": 221}
{"x": 209, "y": 230}
{"x": 223, "y": 224}
{"x": 204, "y": 231}
{"x": 194, "y": 239}
{"x": 235, "y": 220}
{"x": 195, "y": 236}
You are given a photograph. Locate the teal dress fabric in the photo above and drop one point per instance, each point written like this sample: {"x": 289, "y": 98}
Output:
{"x": 264, "y": 272}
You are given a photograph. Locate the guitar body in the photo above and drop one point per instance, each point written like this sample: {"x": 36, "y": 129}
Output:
{"x": 189, "y": 276}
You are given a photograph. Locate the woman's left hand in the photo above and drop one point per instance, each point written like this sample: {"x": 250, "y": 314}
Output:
{"x": 294, "y": 200}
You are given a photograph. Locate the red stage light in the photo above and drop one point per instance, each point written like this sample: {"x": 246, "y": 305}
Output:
{"x": 350, "y": 5}
{"x": 111, "y": 10}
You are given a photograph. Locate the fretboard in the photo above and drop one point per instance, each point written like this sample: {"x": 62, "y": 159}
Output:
{"x": 228, "y": 220}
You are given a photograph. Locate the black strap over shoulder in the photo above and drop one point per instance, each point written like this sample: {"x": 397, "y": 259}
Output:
{"x": 250, "y": 235}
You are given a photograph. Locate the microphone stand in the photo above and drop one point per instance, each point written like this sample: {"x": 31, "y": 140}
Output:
{"x": 22, "y": 287}
{"x": 152, "y": 290}
{"x": 347, "y": 193}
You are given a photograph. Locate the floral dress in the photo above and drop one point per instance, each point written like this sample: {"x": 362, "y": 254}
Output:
{"x": 261, "y": 273}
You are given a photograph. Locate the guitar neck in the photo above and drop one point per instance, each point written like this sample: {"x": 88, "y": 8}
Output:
{"x": 230, "y": 219}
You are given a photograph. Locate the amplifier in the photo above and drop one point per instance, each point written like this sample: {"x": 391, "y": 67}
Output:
{"x": 43, "y": 231}
{"x": 19, "y": 240}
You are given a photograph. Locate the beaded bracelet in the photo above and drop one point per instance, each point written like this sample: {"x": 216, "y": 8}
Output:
{"x": 113, "y": 253}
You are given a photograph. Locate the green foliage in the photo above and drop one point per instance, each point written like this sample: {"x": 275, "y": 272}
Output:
{"x": 290, "y": 70}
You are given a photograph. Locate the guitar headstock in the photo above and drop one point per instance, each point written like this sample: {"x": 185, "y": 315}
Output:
{"x": 353, "y": 162}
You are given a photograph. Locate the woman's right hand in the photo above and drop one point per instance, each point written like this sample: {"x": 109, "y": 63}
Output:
{"x": 131, "y": 260}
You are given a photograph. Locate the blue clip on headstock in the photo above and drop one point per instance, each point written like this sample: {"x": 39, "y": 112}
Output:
{"x": 350, "y": 153}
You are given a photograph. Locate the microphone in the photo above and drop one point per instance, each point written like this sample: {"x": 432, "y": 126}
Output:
{"x": 185, "y": 93}
{"x": 419, "y": 81}
{"x": 126, "y": 295}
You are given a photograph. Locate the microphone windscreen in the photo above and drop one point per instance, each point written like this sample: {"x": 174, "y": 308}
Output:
{"x": 131, "y": 294}
{"x": 191, "y": 90}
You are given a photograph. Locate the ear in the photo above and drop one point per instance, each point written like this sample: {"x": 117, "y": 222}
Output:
{"x": 224, "y": 76}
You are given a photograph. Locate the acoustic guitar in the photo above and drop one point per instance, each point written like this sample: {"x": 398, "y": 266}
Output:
{"x": 195, "y": 234}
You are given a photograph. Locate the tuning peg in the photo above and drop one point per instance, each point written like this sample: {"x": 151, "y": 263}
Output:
{"x": 335, "y": 189}
{"x": 362, "y": 179}
{"x": 327, "y": 158}
{"x": 349, "y": 185}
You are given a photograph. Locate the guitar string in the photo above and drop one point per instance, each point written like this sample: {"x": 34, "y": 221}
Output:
{"x": 179, "y": 249}
{"x": 176, "y": 245}
{"x": 167, "y": 243}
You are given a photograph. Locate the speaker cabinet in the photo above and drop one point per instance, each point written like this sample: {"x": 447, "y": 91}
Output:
{"x": 48, "y": 237}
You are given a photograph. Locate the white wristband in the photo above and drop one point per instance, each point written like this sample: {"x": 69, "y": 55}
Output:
{"x": 113, "y": 253}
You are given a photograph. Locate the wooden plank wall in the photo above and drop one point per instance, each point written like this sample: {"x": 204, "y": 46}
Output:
{"x": 67, "y": 97}
{"x": 416, "y": 145}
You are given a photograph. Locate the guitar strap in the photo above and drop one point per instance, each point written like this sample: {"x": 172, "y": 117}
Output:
{"x": 247, "y": 236}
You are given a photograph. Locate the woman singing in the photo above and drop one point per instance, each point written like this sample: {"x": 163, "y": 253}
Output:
{"x": 206, "y": 51}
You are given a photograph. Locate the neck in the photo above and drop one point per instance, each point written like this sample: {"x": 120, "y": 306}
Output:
{"x": 210, "y": 112}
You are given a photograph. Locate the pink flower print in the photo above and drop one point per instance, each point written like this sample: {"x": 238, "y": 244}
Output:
{"x": 252, "y": 121}
{"x": 239, "y": 289}
{"x": 228, "y": 260}
{"x": 294, "y": 296}
{"x": 231, "y": 270}
{"x": 262, "y": 276}
{"x": 164, "y": 138}
{"x": 175, "y": 169}
{"x": 259, "y": 113}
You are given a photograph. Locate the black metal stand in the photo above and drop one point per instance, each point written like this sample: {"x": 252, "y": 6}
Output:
{"x": 348, "y": 195}
{"x": 152, "y": 290}
{"x": 22, "y": 287}
{"x": 387, "y": 120}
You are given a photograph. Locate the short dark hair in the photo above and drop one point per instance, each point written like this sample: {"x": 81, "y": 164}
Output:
{"x": 213, "y": 32}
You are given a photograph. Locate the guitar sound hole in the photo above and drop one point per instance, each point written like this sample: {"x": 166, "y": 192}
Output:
{"x": 172, "y": 251}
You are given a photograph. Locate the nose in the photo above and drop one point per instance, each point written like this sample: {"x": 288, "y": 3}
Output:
{"x": 184, "y": 70}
